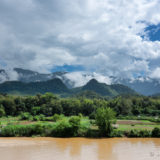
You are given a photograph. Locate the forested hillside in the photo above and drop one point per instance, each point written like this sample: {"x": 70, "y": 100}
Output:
{"x": 56, "y": 86}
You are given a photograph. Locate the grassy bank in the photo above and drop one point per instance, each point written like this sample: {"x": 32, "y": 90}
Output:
{"x": 74, "y": 126}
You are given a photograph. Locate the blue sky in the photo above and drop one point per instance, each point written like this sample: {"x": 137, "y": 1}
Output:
{"x": 153, "y": 32}
{"x": 110, "y": 38}
{"x": 68, "y": 68}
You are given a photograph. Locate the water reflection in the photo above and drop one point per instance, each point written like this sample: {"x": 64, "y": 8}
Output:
{"x": 79, "y": 149}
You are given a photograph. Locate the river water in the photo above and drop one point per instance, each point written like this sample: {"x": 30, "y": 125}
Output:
{"x": 79, "y": 149}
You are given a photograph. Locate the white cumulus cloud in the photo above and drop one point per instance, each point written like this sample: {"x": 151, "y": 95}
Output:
{"x": 104, "y": 36}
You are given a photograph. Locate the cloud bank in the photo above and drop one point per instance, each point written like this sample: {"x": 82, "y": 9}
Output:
{"x": 77, "y": 79}
{"x": 104, "y": 36}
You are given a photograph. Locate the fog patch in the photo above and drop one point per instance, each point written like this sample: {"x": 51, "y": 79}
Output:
{"x": 78, "y": 79}
{"x": 8, "y": 75}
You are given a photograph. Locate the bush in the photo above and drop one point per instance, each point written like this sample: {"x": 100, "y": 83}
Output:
{"x": 144, "y": 133}
{"x": 62, "y": 129}
{"x": 156, "y": 132}
{"x": 36, "y": 118}
{"x": 92, "y": 133}
{"x": 42, "y": 117}
{"x": 26, "y": 116}
{"x": 22, "y": 130}
{"x": 65, "y": 128}
{"x": 138, "y": 133}
{"x": 133, "y": 133}
{"x": 117, "y": 133}
{"x": 56, "y": 117}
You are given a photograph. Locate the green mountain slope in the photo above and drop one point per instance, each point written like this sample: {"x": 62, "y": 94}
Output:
{"x": 54, "y": 86}
{"x": 107, "y": 90}
{"x": 87, "y": 94}
{"x": 100, "y": 88}
{"x": 92, "y": 89}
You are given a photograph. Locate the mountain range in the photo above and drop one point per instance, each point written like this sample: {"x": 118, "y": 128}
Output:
{"x": 56, "y": 85}
{"x": 28, "y": 79}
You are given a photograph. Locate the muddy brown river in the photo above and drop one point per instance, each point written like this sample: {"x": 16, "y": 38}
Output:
{"x": 79, "y": 149}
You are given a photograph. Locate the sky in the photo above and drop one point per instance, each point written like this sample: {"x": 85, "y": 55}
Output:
{"x": 106, "y": 37}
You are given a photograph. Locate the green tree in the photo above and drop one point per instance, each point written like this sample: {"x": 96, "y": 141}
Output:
{"x": 46, "y": 98}
{"x": 20, "y": 105}
{"x": 71, "y": 106}
{"x": 9, "y": 106}
{"x": 87, "y": 107}
{"x": 35, "y": 110}
{"x": 104, "y": 119}
{"x": 74, "y": 121}
{"x": 2, "y": 111}
{"x": 56, "y": 107}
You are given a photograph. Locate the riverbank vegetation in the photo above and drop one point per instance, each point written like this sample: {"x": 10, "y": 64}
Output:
{"x": 49, "y": 115}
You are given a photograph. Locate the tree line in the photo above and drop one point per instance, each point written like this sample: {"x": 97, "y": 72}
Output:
{"x": 49, "y": 104}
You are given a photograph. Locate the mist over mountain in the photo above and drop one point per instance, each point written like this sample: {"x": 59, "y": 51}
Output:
{"x": 56, "y": 86}
{"x": 145, "y": 86}
{"x": 3, "y": 76}
{"x": 71, "y": 79}
{"x": 32, "y": 76}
